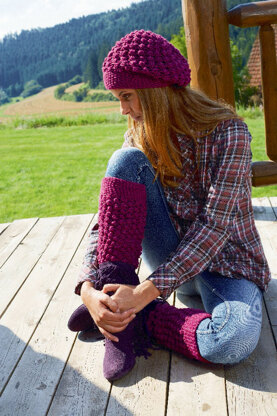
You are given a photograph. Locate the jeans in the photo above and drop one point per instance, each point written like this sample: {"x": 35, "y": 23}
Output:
{"x": 235, "y": 305}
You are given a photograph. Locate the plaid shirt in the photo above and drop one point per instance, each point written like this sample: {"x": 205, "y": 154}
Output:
{"x": 212, "y": 212}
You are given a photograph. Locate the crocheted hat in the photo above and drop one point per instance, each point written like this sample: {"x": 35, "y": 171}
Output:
{"x": 143, "y": 59}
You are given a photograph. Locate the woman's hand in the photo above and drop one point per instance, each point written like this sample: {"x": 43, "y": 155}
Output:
{"x": 132, "y": 297}
{"x": 105, "y": 312}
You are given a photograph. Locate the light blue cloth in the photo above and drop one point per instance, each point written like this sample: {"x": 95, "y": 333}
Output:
{"x": 235, "y": 305}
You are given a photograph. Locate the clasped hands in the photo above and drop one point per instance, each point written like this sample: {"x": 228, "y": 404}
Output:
{"x": 113, "y": 313}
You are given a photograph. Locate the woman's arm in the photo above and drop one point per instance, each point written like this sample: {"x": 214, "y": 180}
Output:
{"x": 211, "y": 229}
{"x": 135, "y": 297}
{"x": 89, "y": 268}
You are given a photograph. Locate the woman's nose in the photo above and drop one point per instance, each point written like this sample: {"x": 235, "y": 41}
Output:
{"x": 124, "y": 108}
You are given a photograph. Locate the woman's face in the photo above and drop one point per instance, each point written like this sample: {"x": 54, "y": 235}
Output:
{"x": 129, "y": 103}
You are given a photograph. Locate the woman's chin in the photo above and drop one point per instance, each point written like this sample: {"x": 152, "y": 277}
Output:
{"x": 138, "y": 119}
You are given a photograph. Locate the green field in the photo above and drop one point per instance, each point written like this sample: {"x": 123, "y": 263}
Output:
{"x": 57, "y": 171}
{"x": 54, "y": 171}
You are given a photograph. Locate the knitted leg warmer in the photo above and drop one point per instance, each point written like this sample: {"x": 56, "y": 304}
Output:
{"x": 175, "y": 328}
{"x": 122, "y": 218}
{"x": 122, "y": 214}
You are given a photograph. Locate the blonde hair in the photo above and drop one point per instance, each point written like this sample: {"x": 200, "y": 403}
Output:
{"x": 169, "y": 111}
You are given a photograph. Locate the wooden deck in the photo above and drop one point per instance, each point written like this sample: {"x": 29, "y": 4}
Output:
{"x": 47, "y": 370}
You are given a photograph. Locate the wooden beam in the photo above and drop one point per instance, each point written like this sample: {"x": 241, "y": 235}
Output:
{"x": 269, "y": 82}
{"x": 253, "y": 14}
{"x": 208, "y": 46}
{"x": 264, "y": 173}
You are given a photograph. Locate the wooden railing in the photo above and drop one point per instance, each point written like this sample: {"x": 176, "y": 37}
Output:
{"x": 209, "y": 55}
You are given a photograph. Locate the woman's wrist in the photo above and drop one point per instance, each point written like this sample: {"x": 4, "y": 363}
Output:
{"x": 85, "y": 288}
{"x": 146, "y": 292}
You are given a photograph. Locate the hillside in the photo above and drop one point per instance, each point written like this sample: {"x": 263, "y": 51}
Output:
{"x": 54, "y": 55}
{"x": 44, "y": 103}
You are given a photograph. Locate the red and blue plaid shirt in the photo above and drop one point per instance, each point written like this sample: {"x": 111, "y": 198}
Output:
{"x": 212, "y": 212}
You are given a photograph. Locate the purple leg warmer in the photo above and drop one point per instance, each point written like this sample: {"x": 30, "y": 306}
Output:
{"x": 122, "y": 218}
{"x": 175, "y": 328}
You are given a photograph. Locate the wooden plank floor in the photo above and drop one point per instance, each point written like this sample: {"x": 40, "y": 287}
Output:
{"x": 47, "y": 370}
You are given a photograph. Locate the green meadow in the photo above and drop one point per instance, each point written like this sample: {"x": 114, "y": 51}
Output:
{"x": 57, "y": 171}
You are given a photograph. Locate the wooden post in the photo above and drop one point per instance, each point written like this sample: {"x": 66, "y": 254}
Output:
{"x": 269, "y": 80}
{"x": 253, "y": 14}
{"x": 208, "y": 46}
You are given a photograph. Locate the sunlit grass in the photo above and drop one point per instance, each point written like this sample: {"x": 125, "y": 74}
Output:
{"x": 57, "y": 171}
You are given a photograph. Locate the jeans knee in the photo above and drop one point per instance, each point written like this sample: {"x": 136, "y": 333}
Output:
{"x": 123, "y": 161}
{"x": 234, "y": 342}
{"x": 240, "y": 345}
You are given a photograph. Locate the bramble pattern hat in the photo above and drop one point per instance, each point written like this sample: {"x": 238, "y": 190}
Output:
{"x": 143, "y": 59}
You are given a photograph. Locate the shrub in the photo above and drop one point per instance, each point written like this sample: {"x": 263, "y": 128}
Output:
{"x": 59, "y": 91}
{"x": 100, "y": 86}
{"x": 3, "y": 97}
{"x": 54, "y": 121}
{"x": 76, "y": 80}
{"x": 30, "y": 88}
{"x": 101, "y": 96}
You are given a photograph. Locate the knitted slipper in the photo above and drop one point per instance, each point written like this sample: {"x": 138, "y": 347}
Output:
{"x": 81, "y": 320}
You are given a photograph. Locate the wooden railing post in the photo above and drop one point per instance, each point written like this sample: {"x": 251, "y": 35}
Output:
{"x": 269, "y": 82}
{"x": 208, "y": 46}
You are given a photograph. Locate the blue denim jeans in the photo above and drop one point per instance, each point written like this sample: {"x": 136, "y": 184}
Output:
{"x": 234, "y": 329}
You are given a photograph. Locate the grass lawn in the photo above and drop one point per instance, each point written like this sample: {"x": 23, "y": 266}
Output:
{"x": 57, "y": 171}
{"x": 54, "y": 171}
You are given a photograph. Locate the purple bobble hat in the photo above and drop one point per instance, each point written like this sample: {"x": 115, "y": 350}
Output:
{"x": 143, "y": 59}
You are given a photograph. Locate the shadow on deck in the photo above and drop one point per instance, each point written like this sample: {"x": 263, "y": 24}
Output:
{"x": 48, "y": 370}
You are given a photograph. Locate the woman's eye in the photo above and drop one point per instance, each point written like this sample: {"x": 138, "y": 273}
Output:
{"x": 126, "y": 97}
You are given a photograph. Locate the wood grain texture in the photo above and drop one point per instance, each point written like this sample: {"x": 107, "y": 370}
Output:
{"x": 143, "y": 391}
{"x": 22, "y": 317}
{"x": 269, "y": 82}
{"x": 20, "y": 264}
{"x": 266, "y": 225}
{"x": 253, "y": 14}
{"x": 83, "y": 390}
{"x": 264, "y": 173}
{"x": 195, "y": 388}
{"x": 45, "y": 370}
{"x": 3, "y": 227}
{"x": 13, "y": 236}
{"x": 263, "y": 210}
{"x": 273, "y": 202}
{"x": 208, "y": 47}
{"x": 36, "y": 376}
{"x": 252, "y": 385}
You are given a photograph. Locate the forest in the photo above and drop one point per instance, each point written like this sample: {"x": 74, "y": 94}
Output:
{"x": 55, "y": 55}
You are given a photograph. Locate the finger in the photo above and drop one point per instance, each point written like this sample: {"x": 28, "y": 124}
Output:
{"x": 110, "y": 287}
{"x": 114, "y": 330}
{"x": 120, "y": 324}
{"x": 110, "y": 303}
{"x": 108, "y": 335}
{"x": 118, "y": 317}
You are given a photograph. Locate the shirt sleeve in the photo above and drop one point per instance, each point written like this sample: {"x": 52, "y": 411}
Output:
{"x": 89, "y": 267}
{"x": 210, "y": 230}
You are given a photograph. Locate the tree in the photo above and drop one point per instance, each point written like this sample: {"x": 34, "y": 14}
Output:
{"x": 59, "y": 91}
{"x": 3, "y": 97}
{"x": 179, "y": 41}
{"x": 91, "y": 75}
{"x": 81, "y": 93}
{"x": 30, "y": 88}
{"x": 243, "y": 90}
{"x": 103, "y": 51}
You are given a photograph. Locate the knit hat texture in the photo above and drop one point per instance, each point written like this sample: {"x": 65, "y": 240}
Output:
{"x": 143, "y": 59}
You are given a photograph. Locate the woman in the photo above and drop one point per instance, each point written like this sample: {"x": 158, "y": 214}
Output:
{"x": 179, "y": 191}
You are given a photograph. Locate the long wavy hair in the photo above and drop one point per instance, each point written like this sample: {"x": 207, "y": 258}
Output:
{"x": 168, "y": 112}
